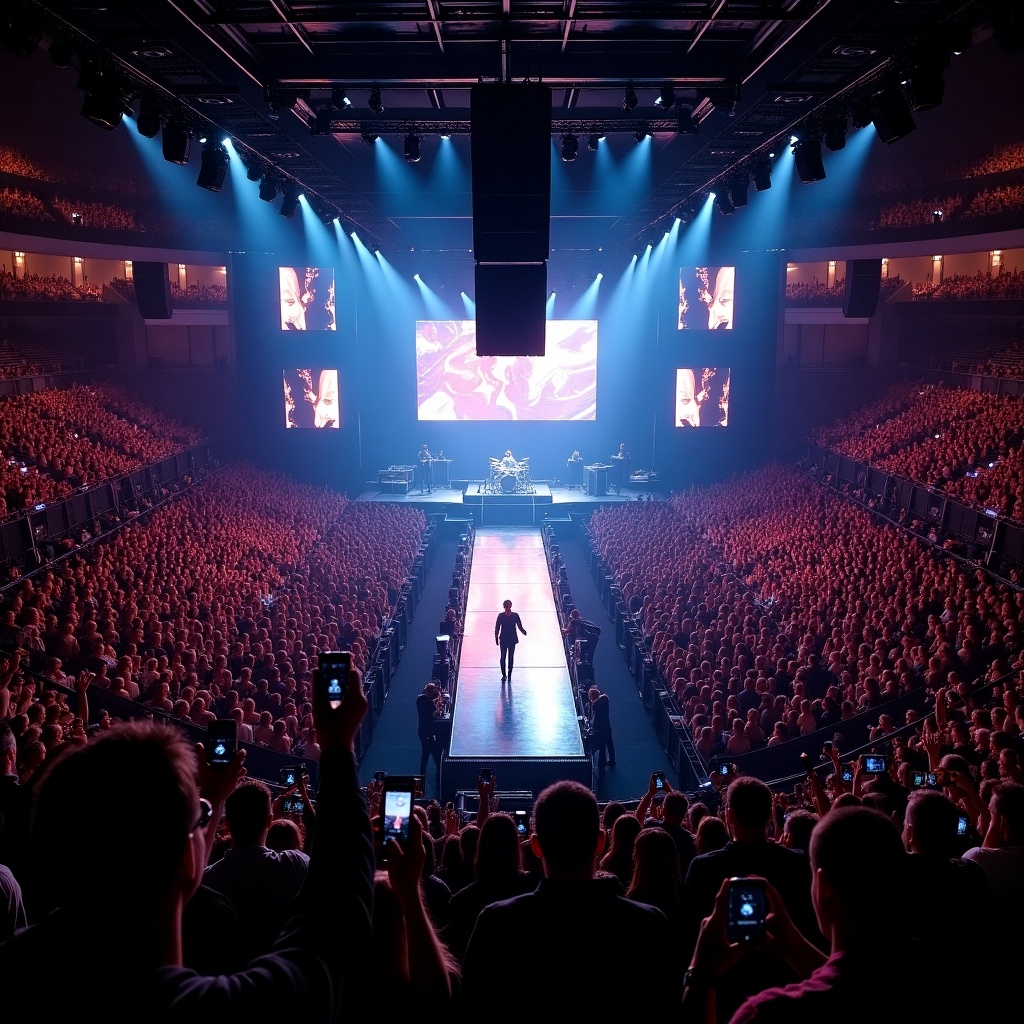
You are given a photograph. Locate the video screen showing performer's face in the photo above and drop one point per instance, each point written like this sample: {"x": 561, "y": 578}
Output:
{"x": 311, "y": 399}
{"x": 454, "y": 383}
{"x": 307, "y": 299}
{"x": 702, "y": 397}
{"x": 706, "y": 298}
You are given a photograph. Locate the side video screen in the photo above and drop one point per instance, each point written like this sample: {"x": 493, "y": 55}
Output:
{"x": 706, "y": 298}
{"x": 311, "y": 399}
{"x": 702, "y": 396}
{"x": 307, "y": 298}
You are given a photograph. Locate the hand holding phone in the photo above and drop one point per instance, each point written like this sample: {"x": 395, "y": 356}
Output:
{"x": 396, "y": 811}
{"x": 746, "y": 910}
{"x": 335, "y": 667}
{"x": 659, "y": 782}
{"x": 223, "y": 742}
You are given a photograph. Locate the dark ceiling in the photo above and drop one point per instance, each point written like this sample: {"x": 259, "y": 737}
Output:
{"x": 744, "y": 74}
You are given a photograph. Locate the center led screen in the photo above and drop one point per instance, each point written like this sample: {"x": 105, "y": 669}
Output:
{"x": 454, "y": 383}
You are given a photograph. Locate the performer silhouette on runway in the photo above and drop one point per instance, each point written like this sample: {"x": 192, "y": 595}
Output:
{"x": 506, "y": 637}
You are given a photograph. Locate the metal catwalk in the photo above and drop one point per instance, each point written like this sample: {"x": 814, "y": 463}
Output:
{"x": 526, "y": 730}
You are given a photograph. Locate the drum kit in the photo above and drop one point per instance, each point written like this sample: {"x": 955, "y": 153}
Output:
{"x": 509, "y": 476}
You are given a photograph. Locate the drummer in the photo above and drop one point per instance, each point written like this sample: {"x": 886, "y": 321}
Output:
{"x": 508, "y": 463}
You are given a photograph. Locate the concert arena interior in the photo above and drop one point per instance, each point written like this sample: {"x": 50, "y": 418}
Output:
{"x": 690, "y": 334}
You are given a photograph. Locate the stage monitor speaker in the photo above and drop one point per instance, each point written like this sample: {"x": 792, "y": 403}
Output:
{"x": 510, "y": 309}
{"x": 152, "y": 290}
{"x": 510, "y": 146}
{"x": 863, "y": 281}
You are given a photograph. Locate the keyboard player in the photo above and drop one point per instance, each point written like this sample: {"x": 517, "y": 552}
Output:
{"x": 425, "y": 469}
{"x": 622, "y": 461}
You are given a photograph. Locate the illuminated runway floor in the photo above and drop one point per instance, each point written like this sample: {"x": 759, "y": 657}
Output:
{"x": 532, "y": 715}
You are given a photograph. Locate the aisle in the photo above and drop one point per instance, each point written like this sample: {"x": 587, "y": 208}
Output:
{"x": 532, "y": 715}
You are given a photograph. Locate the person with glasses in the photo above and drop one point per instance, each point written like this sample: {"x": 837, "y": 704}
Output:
{"x": 122, "y": 836}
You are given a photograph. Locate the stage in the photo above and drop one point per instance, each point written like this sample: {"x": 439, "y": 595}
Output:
{"x": 525, "y": 730}
{"x": 467, "y": 499}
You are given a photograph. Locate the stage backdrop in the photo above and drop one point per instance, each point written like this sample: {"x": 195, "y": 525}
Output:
{"x": 342, "y": 372}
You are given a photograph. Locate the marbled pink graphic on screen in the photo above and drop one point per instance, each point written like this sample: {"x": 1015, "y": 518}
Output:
{"x": 454, "y": 383}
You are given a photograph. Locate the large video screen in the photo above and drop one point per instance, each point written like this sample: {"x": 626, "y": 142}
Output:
{"x": 311, "y": 399}
{"x": 454, "y": 383}
{"x": 706, "y": 298}
{"x": 702, "y": 396}
{"x": 307, "y": 298}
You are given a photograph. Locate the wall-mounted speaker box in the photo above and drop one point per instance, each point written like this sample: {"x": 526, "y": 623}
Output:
{"x": 152, "y": 290}
{"x": 863, "y": 281}
{"x": 510, "y": 309}
{"x": 510, "y": 145}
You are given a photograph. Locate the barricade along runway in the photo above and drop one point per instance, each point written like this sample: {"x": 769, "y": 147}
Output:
{"x": 531, "y": 716}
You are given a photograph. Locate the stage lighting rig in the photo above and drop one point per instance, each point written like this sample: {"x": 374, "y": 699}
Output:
{"x": 761, "y": 174}
{"x": 268, "y": 188}
{"x": 214, "y": 167}
{"x": 148, "y": 121}
{"x": 412, "y": 148}
{"x": 807, "y": 155}
{"x": 290, "y": 200}
{"x": 629, "y": 100}
{"x": 570, "y": 147}
{"x": 666, "y": 98}
{"x": 376, "y": 102}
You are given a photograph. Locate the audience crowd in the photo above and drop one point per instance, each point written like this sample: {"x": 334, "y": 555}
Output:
{"x": 193, "y": 296}
{"x": 772, "y": 606}
{"x": 918, "y": 212}
{"x": 815, "y": 293}
{"x": 968, "y": 444}
{"x": 49, "y": 288}
{"x": 54, "y": 441}
{"x": 1009, "y": 157}
{"x": 1007, "y": 285}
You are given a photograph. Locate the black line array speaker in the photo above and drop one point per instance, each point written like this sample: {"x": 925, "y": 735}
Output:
{"x": 510, "y": 308}
{"x": 863, "y": 281}
{"x": 152, "y": 290}
{"x": 510, "y": 145}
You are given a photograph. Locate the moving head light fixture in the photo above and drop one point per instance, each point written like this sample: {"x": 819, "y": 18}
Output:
{"x": 214, "y": 167}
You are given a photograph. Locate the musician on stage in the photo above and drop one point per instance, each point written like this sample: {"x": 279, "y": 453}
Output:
{"x": 574, "y": 464}
{"x": 508, "y": 463}
{"x": 426, "y": 461}
{"x": 622, "y": 460}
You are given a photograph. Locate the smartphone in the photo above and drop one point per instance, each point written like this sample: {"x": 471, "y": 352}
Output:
{"x": 659, "y": 781}
{"x": 747, "y": 909}
{"x": 961, "y": 825}
{"x": 923, "y": 779}
{"x": 223, "y": 742}
{"x": 290, "y": 775}
{"x": 875, "y": 764}
{"x": 725, "y": 770}
{"x": 396, "y": 809}
{"x": 293, "y": 805}
{"x": 522, "y": 823}
{"x": 943, "y": 777}
{"x": 485, "y": 774}
{"x": 335, "y": 667}
{"x": 807, "y": 763}
{"x": 846, "y": 772}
